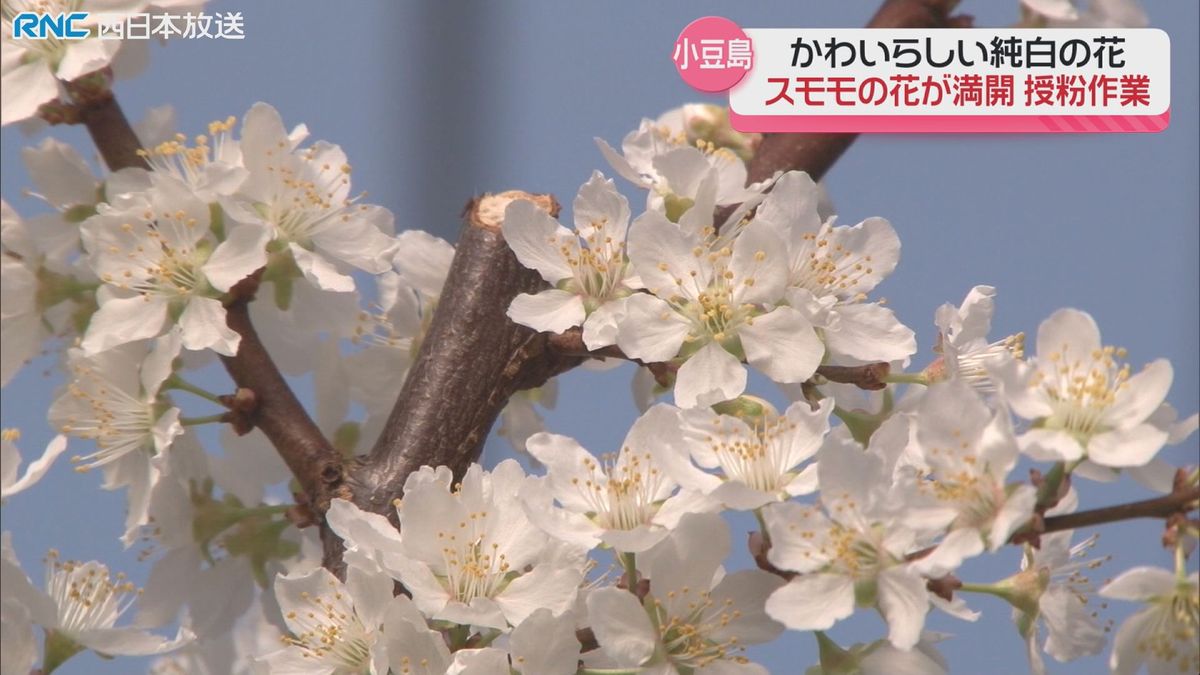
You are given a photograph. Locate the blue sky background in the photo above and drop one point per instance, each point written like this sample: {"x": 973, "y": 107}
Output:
{"x": 435, "y": 102}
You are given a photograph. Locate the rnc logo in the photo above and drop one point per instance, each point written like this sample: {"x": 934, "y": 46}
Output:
{"x": 36, "y": 26}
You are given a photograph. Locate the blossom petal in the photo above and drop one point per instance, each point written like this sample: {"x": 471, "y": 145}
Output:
{"x": 1073, "y": 631}
{"x": 651, "y": 331}
{"x": 26, "y": 88}
{"x": 544, "y": 643}
{"x": 904, "y": 601}
{"x": 1141, "y": 395}
{"x": 537, "y": 239}
{"x": 547, "y": 586}
{"x": 242, "y": 252}
{"x": 203, "y": 325}
{"x": 619, "y": 164}
{"x": 1140, "y": 584}
{"x": 621, "y": 626}
{"x": 122, "y": 320}
{"x": 759, "y": 266}
{"x": 550, "y": 311}
{"x": 783, "y": 345}
{"x": 709, "y": 376}
{"x": 812, "y": 601}
{"x": 1017, "y": 510}
{"x": 664, "y": 257}
{"x": 423, "y": 261}
{"x": 600, "y": 209}
{"x": 363, "y": 240}
{"x": 319, "y": 271}
{"x": 1070, "y": 333}
{"x": 1050, "y": 445}
{"x": 792, "y": 204}
{"x": 601, "y": 327}
{"x": 870, "y": 332}
{"x": 1126, "y": 447}
{"x": 86, "y": 56}
{"x": 37, "y": 468}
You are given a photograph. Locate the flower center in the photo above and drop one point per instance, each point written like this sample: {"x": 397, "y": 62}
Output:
{"x": 158, "y": 265}
{"x": 621, "y": 490}
{"x": 330, "y": 632}
{"x": 474, "y": 567}
{"x": 686, "y": 638}
{"x": 1081, "y": 387}
{"x": 188, "y": 163}
{"x": 599, "y": 267}
{"x": 758, "y": 461}
{"x": 825, "y": 268}
{"x": 118, "y": 422}
{"x": 972, "y": 365}
{"x": 86, "y": 596}
{"x": 1170, "y": 635}
{"x": 307, "y": 196}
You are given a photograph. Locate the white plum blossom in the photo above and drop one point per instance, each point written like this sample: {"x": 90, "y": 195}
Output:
{"x": 830, "y": 270}
{"x": 369, "y": 538}
{"x": 80, "y": 607}
{"x": 303, "y": 197}
{"x": 850, "y": 550}
{"x": 334, "y": 626}
{"x": 673, "y": 156}
{"x": 113, "y": 399}
{"x": 1053, "y": 589}
{"x": 696, "y": 619}
{"x": 10, "y": 484}
{"x": 42, "y": 293}
{"x": 211, "y": 167}
{"x": 587, "y": 267}
{"x": 466, "y": 550}
{"x": 969, "y": 451}
{"x": 159, "y": 264}
{"x": 1082, "y": 398}
{"x": 31, "y": 69}
{"x": 712, "y": 307}
{"x": 62, "y": 177}
{"x": 1163, "y": 636}
{"x": 747, "y": 463}
{"x": 624, "y": 500}
{"x": 962, "y": 341}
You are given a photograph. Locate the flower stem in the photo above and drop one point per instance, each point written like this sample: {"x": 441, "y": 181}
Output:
{"x": 176, "y": 382}
{"x": 219, "y": 418}
{"x": 986, "y": 589}
{"x": 57, "y": 649}
{"x": 907, "y": 378}
{"x": 762, "y": 525}
{"x": 629, "y": 562}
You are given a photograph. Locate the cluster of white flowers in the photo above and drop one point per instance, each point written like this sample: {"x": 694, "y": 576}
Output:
{"x": 607, "y": 562}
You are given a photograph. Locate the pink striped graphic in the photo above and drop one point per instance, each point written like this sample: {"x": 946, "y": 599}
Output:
{"x": 1078, "y": 124}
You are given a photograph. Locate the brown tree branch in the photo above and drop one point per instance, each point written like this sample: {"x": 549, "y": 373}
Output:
{"x": 472, "y": 359}
{"x": 1180, "y": 501}
{"x": 111, "y": 133}
{"x": 277, "y": 412}
{"x": 1159, "y": 507}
